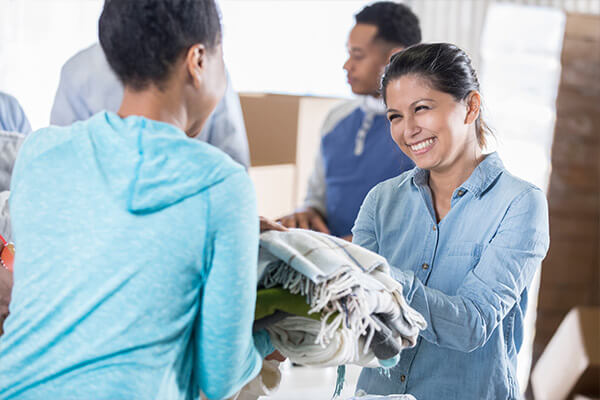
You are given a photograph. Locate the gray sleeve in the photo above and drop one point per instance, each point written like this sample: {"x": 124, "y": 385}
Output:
{"x": 10, "y": 142}
{"x": 5, "y": 229}
{"x": 225, "y": 127}
{"x": 315, "y": 192}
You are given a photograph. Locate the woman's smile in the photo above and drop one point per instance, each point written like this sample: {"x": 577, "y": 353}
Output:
{"x": 422, "y": 146}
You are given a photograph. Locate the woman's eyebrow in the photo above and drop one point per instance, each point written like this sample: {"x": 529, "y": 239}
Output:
{"x": 411, "y": 104}
{"x": 415, "y": 102}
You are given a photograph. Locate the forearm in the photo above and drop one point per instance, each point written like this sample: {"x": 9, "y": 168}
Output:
{"x": 454, "y": 322}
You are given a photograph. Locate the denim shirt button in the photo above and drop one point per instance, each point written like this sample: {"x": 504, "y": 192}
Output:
{"x": 402, "y": 378}
{"x": 434, "y": 227}
{"x": 425, "y": 266}
{"x": 461, "y": 193}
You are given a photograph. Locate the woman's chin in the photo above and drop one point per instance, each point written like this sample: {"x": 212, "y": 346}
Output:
{"x": 424, "y": 162}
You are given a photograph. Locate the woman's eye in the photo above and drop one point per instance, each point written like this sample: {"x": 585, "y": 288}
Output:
{"x": 418, "y": 108}
{"x": 394, "y": 116}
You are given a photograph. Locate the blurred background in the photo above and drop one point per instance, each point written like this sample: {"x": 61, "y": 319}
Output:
{"x": 539, "y": 66}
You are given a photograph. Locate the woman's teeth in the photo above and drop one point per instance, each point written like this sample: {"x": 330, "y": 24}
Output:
{"x": 421, "y": 145}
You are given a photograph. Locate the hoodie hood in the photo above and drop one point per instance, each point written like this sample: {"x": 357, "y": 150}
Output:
{"x": 149, "y": 165}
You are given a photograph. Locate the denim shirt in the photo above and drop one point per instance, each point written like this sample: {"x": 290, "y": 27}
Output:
{"x": 468, "y": 275}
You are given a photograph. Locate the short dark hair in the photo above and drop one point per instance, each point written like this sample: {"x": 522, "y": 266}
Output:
{"x": 445, "y": 67}
{"x": 395, "y": 22}
{"x": 142, "y": 39}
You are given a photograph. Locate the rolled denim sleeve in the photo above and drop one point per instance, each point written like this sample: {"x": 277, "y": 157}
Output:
{"x": 363, "y": 232}
{"x": 465, "y": 321}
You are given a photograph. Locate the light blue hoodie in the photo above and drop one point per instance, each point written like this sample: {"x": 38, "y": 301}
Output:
{"x": 135, "y": 274}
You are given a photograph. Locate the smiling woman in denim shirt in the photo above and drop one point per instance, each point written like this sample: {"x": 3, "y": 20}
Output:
{"x": 463, "y": 235}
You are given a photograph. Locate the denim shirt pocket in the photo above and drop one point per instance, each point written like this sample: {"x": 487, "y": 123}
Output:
{"x": 462, "y": 257}
{"x": 465, "y": 249}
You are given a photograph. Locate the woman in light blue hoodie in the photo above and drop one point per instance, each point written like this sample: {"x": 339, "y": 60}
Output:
{"x": 135, "y": 273}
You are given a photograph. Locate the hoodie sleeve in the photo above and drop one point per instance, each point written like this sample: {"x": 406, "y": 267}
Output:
{"x": 228, "y": 358}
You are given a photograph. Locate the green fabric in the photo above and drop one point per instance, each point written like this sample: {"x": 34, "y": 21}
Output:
{"x": 270, "y": 300}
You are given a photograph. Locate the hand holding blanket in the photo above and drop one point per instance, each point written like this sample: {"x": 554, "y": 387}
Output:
{"x": 363, "y": 316}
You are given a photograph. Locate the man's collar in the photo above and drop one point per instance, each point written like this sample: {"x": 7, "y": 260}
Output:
{"x": 370, "y": 104}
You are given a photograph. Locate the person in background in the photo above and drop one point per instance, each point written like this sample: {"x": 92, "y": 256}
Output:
{"x": 356, "y": 150}
{"x": 136, "y": 276}
{"x": 89, "y": 85}
{"x": 464, "y": 237}
{"x": 12, "y": 116}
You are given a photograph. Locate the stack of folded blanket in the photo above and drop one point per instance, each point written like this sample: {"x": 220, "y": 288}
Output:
{"x": 325, "y": 301}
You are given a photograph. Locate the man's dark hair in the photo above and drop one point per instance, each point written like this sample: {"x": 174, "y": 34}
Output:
{"x": 142, "y": 39}
{"x": 395, "y": 22}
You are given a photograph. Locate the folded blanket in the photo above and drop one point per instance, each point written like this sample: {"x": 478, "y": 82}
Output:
{"x": 349, "y": 287}
{"x": 269, "y": 301}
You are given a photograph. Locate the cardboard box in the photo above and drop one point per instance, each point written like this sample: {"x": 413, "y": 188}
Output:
{"x": 582, "y": 26}
{"x": 570, "y": 363}
{"x": 283, "y": 131}
{"x": 274, "y": 185}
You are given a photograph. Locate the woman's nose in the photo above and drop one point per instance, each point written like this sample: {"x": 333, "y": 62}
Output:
{"x": 411, "y": 128}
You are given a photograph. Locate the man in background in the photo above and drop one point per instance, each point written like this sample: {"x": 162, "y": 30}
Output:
{"x": 12, "y": 116}
{"x": 357, "y": 151}
{"x": 88, "y": 85}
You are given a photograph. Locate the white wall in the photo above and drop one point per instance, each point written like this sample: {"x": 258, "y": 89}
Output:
{"x": 276, "y": 46}
{"x": 36, "y": 38}
{"x": 286, "y": 46}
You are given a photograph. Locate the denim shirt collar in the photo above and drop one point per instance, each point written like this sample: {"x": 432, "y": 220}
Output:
{"x": 480, "y": 180}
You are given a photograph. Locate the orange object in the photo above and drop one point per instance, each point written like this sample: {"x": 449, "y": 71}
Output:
{"x": 7, "y": 254}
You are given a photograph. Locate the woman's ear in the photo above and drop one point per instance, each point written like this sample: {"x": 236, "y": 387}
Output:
{"x": 195, "y": 62}
{"x": 473, "y": 104}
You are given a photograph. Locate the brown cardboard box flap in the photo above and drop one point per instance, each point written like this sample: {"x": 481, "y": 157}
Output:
{"x": 571, "y": 362}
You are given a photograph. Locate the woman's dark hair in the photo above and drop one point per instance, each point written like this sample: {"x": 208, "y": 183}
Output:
{"x": 142, "y": 39}
{"x": 445, "y": 67}
{"x": 395, "y": 22}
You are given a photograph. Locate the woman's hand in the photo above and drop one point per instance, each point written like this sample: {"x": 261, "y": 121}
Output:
{"x": 276, "y": 355}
